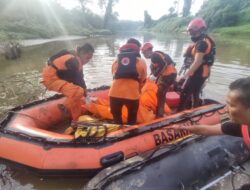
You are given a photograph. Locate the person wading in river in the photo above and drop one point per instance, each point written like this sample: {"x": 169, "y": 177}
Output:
{"x": 64, "y": 74}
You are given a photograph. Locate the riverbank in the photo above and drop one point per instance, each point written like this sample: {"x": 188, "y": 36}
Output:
{"x": 31, "y": 42}
{"x": 240, "y": 31}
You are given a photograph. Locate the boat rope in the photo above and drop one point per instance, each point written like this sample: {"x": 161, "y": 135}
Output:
{"x": 193, "y": 117}
{"x": 238, "y": 171}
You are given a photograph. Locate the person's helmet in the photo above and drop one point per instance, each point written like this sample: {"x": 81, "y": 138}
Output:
{"x": 146, "y": 46}
{"x": 197, "y": 25}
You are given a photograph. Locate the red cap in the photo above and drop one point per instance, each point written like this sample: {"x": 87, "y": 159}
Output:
{"x": 146, "y": 46}
{"x": 129, "y": 46}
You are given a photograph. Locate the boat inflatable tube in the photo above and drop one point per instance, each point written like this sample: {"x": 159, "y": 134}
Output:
{"x": 190, "y": 165}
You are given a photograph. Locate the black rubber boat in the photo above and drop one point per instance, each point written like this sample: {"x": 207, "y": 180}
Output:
{"x": 192, "y": 164}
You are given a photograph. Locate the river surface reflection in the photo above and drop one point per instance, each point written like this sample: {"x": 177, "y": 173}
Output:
{"x": 20, "y": 83}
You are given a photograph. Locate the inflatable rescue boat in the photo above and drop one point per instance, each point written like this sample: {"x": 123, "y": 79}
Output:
{"x": 32, "y": 135}
{"x": 195, "y": 163}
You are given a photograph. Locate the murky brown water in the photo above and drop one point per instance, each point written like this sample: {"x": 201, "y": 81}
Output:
{"x": 20, "y": 83}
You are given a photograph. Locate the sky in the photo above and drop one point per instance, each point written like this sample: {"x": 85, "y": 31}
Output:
{"x": 134, "y": 9}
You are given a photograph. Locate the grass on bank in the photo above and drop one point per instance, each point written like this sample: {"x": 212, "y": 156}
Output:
{"x": 242, "y": 30}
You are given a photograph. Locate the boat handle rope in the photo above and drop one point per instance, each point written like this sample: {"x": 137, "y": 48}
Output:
{"x": 235, "y": 172}
{"x": 91, "y": 140}
{"x": 209, "y": 114}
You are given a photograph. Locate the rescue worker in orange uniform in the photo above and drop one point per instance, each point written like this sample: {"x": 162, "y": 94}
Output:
{"x": 163, "y": 68}
{"x": 129, "y": 75}
{"x": 147, "y": 50}
{"x": 203, "y": 55}
{"x": 64, "y": 74}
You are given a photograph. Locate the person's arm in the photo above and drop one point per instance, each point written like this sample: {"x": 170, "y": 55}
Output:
{"x": 198, "y": 59}
{"x": 142, "y": 73}
{"x": 114, "y": 67}
{"x": 207, "y": 130}
{"x": 227, "y": 128}
{"x": 80, "y": 80}
{"x": 76, "y": 74}
{"x": 201, "y": 47}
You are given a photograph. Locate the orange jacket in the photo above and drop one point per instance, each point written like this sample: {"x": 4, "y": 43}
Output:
{"x": 129, "y": 88}
{"x": 162, "y": 64}
{"x": 67, "y": 67}
{"x": 208, "y": 58}
{"x": 170, "y": 69}
{"x": 245, "y": 134}
{"x": 208, "y": 50}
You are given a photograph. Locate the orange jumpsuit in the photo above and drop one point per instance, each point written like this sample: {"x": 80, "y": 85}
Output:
{"x": 65, "y": 75}
{"x": 127, "y": 91}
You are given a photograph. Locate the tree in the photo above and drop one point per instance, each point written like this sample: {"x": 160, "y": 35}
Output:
{"x": 84, "y": 9}
{"x": 171, "y": 11}
{"x": 223, "y": 13}
{"x": 147, "y": 20}
{"x": 186, "y": 8}
{"x": 109, "y": 15}
{"x": 176, "y": 6}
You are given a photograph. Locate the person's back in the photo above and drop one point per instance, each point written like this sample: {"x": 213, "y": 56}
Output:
{"x": 129, "y": 75}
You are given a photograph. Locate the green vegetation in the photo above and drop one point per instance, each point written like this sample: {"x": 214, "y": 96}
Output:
{"x": 43, "y": 19}
{"x": 26, "y": 19}
{"x": 242, "y": 30}
{"x": 225, "y": 17}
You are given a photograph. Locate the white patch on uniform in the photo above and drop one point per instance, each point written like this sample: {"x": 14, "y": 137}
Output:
{"x": 125, "y": 61}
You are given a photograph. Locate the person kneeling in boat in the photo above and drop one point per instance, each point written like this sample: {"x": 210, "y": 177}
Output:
{"x": 238, "y": 107}
{"x": 64, "y": 74}
{"x": 129, "y": 75}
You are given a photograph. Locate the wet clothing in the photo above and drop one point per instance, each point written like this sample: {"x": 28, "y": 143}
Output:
{"x": 116, "y": 105}
{"x": 163, "y": 68}
{"x": 65, "y": 75}
{"x": 129, "y": 88}
{"x": 163, "y": 83}
{"x": 237, "y": 130}
{"x": 232, "y": 129}
{"x": 126, "y": 88}
{"x": 192, "y": 86}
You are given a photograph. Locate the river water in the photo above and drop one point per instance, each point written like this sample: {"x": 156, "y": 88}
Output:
{"x": 20, "y": 83}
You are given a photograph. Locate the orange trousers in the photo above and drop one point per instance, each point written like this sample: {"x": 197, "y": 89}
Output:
{"x": 73, "y": 93}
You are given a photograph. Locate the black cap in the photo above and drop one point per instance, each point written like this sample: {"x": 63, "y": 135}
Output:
{"x": 134, "y": 41}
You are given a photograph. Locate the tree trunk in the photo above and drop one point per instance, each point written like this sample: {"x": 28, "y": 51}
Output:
{"x": 108, "y": 13}
{"x": 186, "y": 8}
